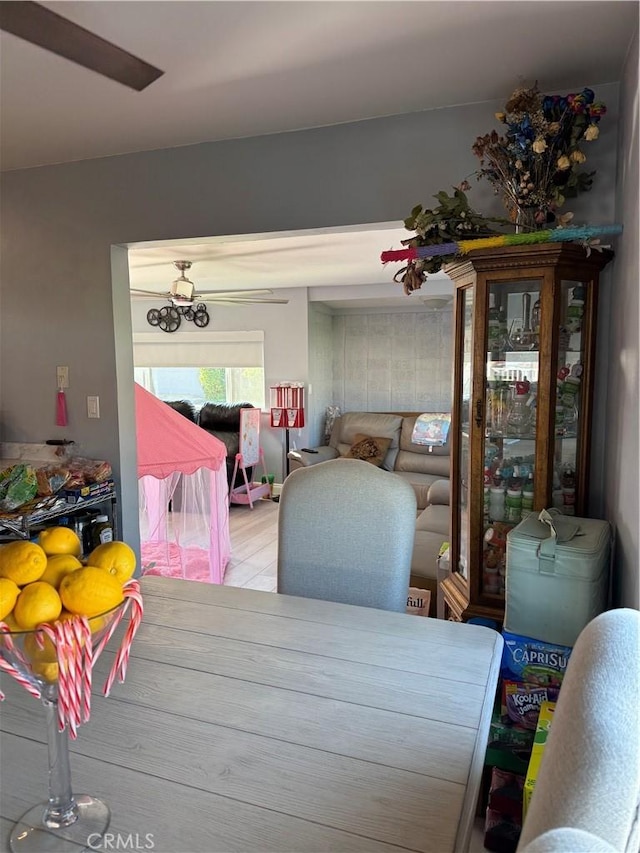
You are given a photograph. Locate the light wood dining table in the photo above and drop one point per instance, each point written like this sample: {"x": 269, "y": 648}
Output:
{"x": 252, "y": 721}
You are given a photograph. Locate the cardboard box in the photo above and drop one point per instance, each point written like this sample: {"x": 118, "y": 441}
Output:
{"x": 507, "y": 733}
{"x": 530, "y": 661}
{"x": 545, "y": 719}
{"x": 83, "y": 493}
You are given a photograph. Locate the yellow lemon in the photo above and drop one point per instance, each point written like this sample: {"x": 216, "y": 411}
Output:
{"x": 90, "y": 591}
{"x": 9, "y": 591}
{"x": 58, "y": 566}
{"x": 117, "y": 558}
{"x": 10, "y": 622}
{"x": 48, "y": 671}
{"x": 60, "y": 540}
{"x": 46, "y": 654}
{"x": 22, "y": 562}
{"x": 96, "y": 623}
{"x": 38, "y": 602}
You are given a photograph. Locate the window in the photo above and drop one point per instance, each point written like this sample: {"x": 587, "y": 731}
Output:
{"x": 210, "y": 367}
{"x": 202, "y": 385}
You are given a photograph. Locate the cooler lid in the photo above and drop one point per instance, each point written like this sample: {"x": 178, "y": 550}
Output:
{"x": 566, "y": 533}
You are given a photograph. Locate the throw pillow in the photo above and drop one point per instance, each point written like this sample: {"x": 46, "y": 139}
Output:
{"x": 369, "y": 449}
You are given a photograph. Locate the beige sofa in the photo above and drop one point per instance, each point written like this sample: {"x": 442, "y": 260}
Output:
{"x": 426, "y": 469}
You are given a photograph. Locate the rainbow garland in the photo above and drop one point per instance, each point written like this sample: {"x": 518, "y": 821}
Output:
{"x": 462, "y": 247}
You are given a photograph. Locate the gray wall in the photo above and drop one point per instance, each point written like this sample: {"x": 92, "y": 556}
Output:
{"x": 393, "y": 362}
{"x": 320, "y": 385}
{"x": 63, "y": 302}
{"x": 621, "y": 429}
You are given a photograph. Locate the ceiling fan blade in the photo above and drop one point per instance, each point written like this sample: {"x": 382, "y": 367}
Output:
{"x": 148, "y": 294}
{"x": 206, "y": 294}
{"x": 40, "y": 26}
{"x": 249, "y": 300}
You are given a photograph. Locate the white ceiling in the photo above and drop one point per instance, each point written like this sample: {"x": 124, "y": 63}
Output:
{"x": 242, "y": 68}
{"x": 322, "y": 260}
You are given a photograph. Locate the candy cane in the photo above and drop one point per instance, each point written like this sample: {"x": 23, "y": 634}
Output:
{"x": 87, "y": 669}
{"x": 73, "y": 654}
{"x": 119, "y": 669}
{"x": 111, "y": 629}
{"x": 11, "y": 668}
{"x": 19, "y": 677}
{"x": 72, "y": 641}
{"x": 75, "y": 657}
{"x": 54, "y": 633}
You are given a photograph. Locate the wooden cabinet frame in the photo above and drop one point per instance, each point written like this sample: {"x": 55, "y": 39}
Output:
{"x": 547, "y": 266}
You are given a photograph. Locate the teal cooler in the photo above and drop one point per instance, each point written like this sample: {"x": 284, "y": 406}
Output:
{"x": 557, "y": 575}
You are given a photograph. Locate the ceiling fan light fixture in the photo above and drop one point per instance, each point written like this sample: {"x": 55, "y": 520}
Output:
{"x": 182, "y": 287}
{"x": 435, "y": 303}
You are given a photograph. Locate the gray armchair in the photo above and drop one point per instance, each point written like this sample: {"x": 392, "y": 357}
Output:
{"x": 345, "y": 534}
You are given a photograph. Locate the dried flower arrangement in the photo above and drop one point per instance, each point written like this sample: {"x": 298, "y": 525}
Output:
{"x": 535, "y": 164}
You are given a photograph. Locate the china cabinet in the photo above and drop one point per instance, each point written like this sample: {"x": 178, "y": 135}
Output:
{"x": 525, "y": 333}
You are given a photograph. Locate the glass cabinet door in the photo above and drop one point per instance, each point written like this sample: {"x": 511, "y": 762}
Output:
{"x": 509, "y": 443}
{"x": 568, "y": 410}
{"x": 467, "y": 296}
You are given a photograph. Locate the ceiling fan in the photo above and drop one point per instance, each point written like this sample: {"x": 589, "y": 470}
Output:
{"x": 40, "y": 26}
{"x": 186, "y": 302}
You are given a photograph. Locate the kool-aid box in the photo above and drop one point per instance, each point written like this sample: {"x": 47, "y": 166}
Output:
{"x": 531, "y": 673}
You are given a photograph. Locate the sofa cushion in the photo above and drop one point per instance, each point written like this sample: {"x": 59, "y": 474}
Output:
{"x": 302, "y": 459}
{"x": 432, "y": 529}
{"x": 438, "y": 466}
{"x": 426, "y": 547}
{"x": 350, "y": 424}
{"x": 369, "y": 448}
{"x": 440, "y": 492}
{"x": 435, "y": 518}
{"x": 421, "y": 483}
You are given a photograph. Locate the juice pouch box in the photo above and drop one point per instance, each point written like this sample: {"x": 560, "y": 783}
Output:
{"x": 531, "y": 661}
{"x": 521, "y": 702}
{"x": 545, "y": 719}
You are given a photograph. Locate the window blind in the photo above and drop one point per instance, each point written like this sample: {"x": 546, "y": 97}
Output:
{"x": 206, "y": 349}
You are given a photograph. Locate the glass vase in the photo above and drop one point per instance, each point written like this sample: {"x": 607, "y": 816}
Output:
{"x": 525, "y": 219}
{"x": 65, "y": 823}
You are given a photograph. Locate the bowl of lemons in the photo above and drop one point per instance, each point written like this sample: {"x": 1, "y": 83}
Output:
{"x": 54, "y": 605}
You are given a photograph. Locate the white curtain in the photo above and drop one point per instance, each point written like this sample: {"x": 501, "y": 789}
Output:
{"x": 204, "y": 349}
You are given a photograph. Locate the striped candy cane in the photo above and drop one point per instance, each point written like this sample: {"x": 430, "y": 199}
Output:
{"x": 11, "y": 668}
{"x": 75, "y": 657}
{"x": 72, "y": 641}
{"x": 134, "y": 600}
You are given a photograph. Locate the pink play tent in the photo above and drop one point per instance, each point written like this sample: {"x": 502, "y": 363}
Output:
{"x": 183, "y": 494}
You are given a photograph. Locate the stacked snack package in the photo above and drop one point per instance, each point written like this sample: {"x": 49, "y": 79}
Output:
{"x": 530, "y": 677}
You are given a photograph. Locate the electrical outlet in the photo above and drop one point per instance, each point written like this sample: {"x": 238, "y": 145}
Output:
{"x": 93, "y": 407}
{"x": 62, "y": 377}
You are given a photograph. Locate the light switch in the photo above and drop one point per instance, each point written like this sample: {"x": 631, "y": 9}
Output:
{"x": 62, "y": 377}
{"x": 93, "y": 407}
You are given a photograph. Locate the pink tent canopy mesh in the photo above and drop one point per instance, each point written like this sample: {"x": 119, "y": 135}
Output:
{"x": 183, "y": 494}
